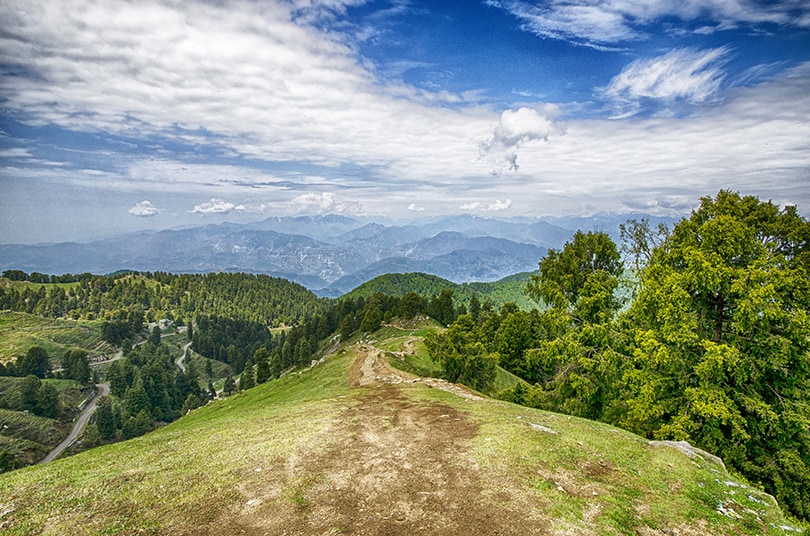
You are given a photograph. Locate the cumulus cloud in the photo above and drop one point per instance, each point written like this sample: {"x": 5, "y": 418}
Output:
{"x": 414, "y": 208}
{"x": 323, "y": 203}
{"x": 217, "y": 206}
{"x": 497, "y": 206}
{"x": 515, "y": 130}
{"x": 683, "y": 74}
{"x": 144, "y": 209}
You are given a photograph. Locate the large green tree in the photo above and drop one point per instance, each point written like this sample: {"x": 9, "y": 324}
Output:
{"x": 105, "y": 421}
{"x": 35, "y": 361}
{"x": 462, "y": 355}
{"x": 582, "y": 277}
{"x": 722, "y": 342}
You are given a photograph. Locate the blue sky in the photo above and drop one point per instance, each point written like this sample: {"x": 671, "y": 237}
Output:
{"x": 117, "y": 116}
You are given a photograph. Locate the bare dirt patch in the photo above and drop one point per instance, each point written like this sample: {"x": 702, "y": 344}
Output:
{"x": 391, "y": 465}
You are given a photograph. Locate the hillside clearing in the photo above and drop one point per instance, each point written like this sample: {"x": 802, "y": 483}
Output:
{"x": 354, "y": 446}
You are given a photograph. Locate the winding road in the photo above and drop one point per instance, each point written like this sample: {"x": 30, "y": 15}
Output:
{"x": 84, "y": 416}
{"x": 81, "y": 421}
{"x": 180, "y": 359}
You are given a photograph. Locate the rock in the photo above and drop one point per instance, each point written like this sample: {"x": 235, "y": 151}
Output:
{"x": 541, "y": 428}
{"x": 689, "y": 450}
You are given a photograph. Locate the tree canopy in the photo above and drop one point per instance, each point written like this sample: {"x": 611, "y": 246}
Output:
{"x": 715, "y": 348}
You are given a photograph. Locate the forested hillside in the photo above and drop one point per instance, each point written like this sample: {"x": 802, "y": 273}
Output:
{"x": 507, "y": 290}
{"x": 153, "y": 296}
{"x": 714, "y": 348}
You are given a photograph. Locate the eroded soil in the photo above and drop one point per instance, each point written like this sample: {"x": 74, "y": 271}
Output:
{"x": 391, "y": 465}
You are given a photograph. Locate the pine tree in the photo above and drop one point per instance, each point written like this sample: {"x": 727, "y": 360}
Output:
{"x": 247, "y": 379}
{"x": 105, "y": 421}
{"x": 262, "y": 359}
{"x": 230, "y": 385}
{"x": 47, "y": 401}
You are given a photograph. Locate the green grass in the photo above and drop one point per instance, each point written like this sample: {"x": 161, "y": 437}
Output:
{"x": 28, "y": 437}
{"x": 404, "y": 341}
{"x": 203, "y": 469}
{"x": 21, "y": 331}
{"x": 200, "y": 459}
{"x": 581, "y": 468}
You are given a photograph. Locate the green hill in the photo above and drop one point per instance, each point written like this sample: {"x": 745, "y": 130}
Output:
{"x": 353, "y": 446}
{"x": 508, "y": 289}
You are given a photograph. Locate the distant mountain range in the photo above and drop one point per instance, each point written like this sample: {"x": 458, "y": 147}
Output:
{"x": 329, "y": 254}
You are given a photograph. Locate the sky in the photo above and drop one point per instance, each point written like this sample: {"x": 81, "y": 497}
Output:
{"x": 121, "y": 115}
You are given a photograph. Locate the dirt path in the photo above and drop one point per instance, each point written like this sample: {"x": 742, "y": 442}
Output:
{"x": 373, "y": 367}
{"x": 392, "y": 465}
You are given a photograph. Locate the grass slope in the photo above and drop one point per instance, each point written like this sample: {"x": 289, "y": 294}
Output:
{"x": 326, "y": 452}
{"x": 21, "y": 331}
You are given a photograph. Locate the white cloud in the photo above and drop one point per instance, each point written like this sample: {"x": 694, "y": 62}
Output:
{"x": 590, "y": 22}
{"x": 144, "y": 209}
{"x": 324, "y": 203}
{"x": 682, "y": 74}
{"x": 15, "y": 152}
{"x": 515, "y": 130}
{"x": 566, "y": 20}
{"x": 217, "y": 206}
{"x": 414, "y": 208}
{"x": 499, "y": 205}
{"x": 242, "y": 78}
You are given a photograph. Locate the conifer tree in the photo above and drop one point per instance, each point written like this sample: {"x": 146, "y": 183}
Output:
{"x": 105, "y": 421}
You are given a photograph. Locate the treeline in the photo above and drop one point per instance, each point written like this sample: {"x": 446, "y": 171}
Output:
{"x": 713, "y": 349}
{"x": 158, "y": 295}
{"x": 36, "y": 277}
{"x": 297, "y": 347}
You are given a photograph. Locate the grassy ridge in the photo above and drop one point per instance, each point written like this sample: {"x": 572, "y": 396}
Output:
{"x": 279, "y": 456}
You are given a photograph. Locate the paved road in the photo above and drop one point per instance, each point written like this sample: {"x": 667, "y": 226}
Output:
{"x": 84, "y": 416}
{"x": 180, "y": 359}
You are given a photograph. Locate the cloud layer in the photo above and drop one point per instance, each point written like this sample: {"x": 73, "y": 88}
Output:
{"x": 603, "y": 22}
{"x": 240, "y": 78}
{"x": 271, "y": 107}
